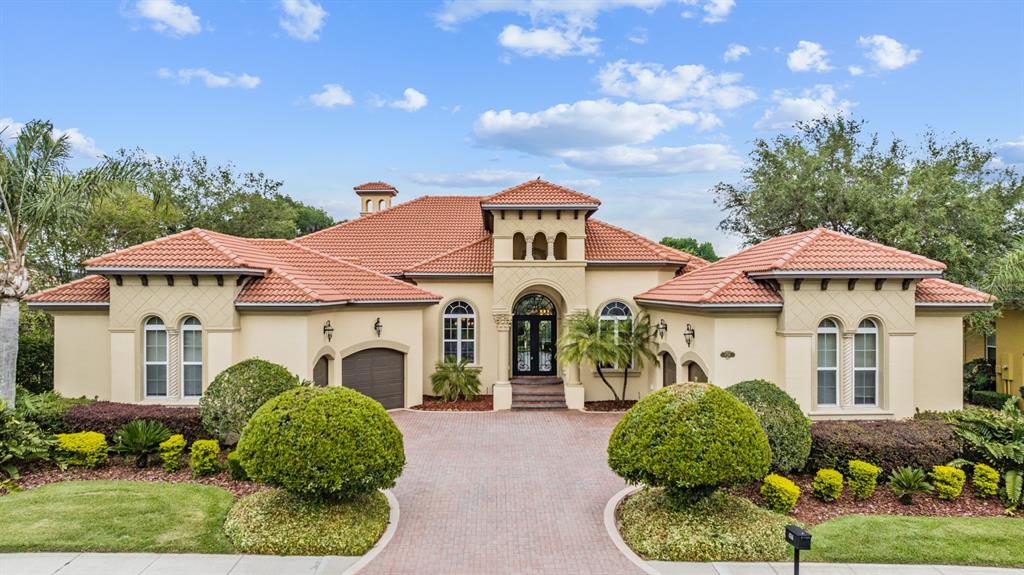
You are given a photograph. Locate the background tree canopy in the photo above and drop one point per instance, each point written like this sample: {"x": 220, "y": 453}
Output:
{"x": 944, "y": 200}
{"x": 692, "y": 246}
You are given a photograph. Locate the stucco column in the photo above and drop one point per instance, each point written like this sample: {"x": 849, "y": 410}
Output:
{"x": 574, "y": 393}
{"x": 551, "y": 248}
{"x": 173, "y": 364}
{"x": 845, "y": 391}
{"x": 502, "y": 387}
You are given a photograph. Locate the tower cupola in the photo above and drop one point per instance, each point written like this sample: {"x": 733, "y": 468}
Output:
{"x": 374, "y": 196}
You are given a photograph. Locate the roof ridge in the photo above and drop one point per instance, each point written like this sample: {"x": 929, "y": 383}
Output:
{"x": 808, "y": 236}
{"x": 450, "y": 252}
{"x": 365, "y": 218}
{"x": 884, "y": 247}
{"x": 728, "y": 279}
{"x": 543, "y": 181}
{"x": 356, "y": 266}
{"x": 207, "y": 235}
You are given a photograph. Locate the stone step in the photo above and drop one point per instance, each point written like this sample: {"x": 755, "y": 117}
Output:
{"x": 536, "y": 380}
{"x": 547, "y": 390}
{"x": 538, "y": 405}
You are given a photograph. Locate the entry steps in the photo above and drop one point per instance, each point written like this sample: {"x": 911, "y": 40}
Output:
{"x": 532, "y": 393}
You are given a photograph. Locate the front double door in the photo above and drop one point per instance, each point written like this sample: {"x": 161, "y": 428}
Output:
{"x": 534, "y": 339}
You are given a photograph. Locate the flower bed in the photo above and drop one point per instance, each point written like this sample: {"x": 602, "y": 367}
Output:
{"x": 609, "y": 405}
{"x": 478, "y": 403}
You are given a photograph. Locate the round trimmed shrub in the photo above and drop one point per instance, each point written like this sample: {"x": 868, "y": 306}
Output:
{"x": 788, "y": 429}
{"x": 690, "y": 438}
{"x": 326, "y": 442}
{"x": 237, "y": 392}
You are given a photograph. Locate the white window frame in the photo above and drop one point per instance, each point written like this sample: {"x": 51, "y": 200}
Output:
{"x": 827, "y": 330}
{"x": 871, "y": 329}
{"x": 615, "y": 320}
{"x": 146, "y": 362}
{"x": 460, "y": 321}
{"x": 990, "y": 347}
{"x": 185, "y": 326}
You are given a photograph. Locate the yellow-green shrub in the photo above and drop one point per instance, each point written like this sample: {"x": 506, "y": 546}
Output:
{"x": 203, "y": 457}
{"x": 780, "y": 493}
{"x": 235, "y": 469}
{"x": 170, "y": 452}
{"x": 862, "y": 478}
{"x": 828, "y": 485}
{"x": 86, "y": 448}
{"x": 948, "y": 481}
{"x": 985, "y": 480}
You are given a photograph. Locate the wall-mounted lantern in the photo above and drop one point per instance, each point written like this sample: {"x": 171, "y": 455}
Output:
{"x": 378, "y": 327}
{"x": 689, "y": 335}
{"x": 661, "y": 328}
{"x": 328, "y": 330}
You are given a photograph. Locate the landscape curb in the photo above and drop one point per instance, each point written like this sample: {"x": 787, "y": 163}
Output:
{"x": 370, "y": 555}
{"x": 613, "y": 531}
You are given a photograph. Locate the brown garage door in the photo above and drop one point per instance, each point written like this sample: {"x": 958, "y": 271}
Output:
{"x": 378, "y": 373}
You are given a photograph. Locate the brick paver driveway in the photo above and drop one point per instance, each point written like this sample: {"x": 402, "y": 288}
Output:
{"x": 504, "y": 492}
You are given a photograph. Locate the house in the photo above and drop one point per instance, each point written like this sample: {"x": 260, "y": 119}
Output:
{"x": 1004, "y": 349}
{"x": 848, "y": 327}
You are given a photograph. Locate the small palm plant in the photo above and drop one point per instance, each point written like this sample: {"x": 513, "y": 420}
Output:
{"x": 636, "y": 338}
{"x": 585, "y": 342}
{"x": 907, "y": 481}
{"x": 140, "y": 438}
{"x": 454, "y": 379}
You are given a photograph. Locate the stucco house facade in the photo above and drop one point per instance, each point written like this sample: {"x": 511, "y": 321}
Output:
{"x": 850, "y": 328}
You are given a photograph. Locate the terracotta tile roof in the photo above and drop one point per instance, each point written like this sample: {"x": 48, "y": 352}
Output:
{"x": 474, "y": 258}
{"x": 827, "y": 250}
{"x": 935, "y": 290}
{"x": 376, "y": 187}
{"x": 716, "y": 283}
{"x": 606, "y": 242}
{"x": 89, "y": 289}
{"x": 540, "y": 192}
{"x": 194, "y": 248}
{"x": 403, "y": 236}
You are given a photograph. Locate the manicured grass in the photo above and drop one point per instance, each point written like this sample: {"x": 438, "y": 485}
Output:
{"x": 278, "y": 523}
{"x": 116, "y": 516}
{"x": 992, "y": 541}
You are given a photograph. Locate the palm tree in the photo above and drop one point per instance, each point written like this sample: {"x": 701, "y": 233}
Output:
{"x": 635, "y": 340}
{"x": 454, "y": 379}
{"x": 1006, "y": 278}
{"x": 585, "y": 342}
{"x": 38, "y": 193}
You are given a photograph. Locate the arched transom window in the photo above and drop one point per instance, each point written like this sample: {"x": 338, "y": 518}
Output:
{"x": 865, "y": 364}
{"x": 155, "y": 358}
{"x": 191, "y": 357}
{"x": 615, "y": 317}
{"x": 459, "y": 337}
{"x": 828, "y": 362}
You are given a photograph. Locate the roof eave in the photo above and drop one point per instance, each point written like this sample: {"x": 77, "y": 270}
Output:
{"x": 953, "y": 305}
{"x": 123, "y": 270}
{"x": 77, "y": 305}
{"x": 778, "y": 274}
{"x": 636, "y": 262}
{"x": 539, "y": 206}
{"x": 766, "y": 306}
{"x": 448, "y": 274}
{"x": 283, "y": 306}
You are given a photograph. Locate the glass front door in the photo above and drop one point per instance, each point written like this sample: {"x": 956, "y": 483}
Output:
{"x": 534, "y": 337}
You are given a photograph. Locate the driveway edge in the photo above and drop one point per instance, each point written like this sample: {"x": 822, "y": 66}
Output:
{"x": 370, "y": 555}
{"x": 613, "y": 530}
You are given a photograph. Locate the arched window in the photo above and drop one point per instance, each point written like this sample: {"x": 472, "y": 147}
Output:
{"x": 191, "y": 357}
{"x": 518, "y": 246}
{"x": 380, "y": 205}
{"x": 615, "y": 317}
{"x": 865, "y": 364}
{"x": 369, "y": 205}
{"x": 154, "y": 371}
{"x": 540, "y": 246}
{"x": 828, "y": 362}
{"x": 561, "y": 242}
{"x": 459, "y": 337}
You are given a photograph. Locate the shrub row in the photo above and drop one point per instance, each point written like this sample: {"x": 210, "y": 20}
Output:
{"x": 887, "y": 444}
{"x": 108, "y": 418}
{"x": 993, "y": 399}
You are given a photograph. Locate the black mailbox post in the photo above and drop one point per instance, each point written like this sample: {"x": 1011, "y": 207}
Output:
{"x": 799, "y": 539}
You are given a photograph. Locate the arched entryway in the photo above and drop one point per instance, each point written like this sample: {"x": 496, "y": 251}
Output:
{"x": 534, "y": 336}
{"x": 695, "y": 373}
{"x": 322, "y": 371}
{"x": 668, "y": 369}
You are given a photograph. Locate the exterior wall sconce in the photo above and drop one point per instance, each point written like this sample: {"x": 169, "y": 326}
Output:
{"x": 328, "y": 330}
{"x": 661, "y": 328}
{"x": 689, "y": 335}
{"x": 378, "y": 327}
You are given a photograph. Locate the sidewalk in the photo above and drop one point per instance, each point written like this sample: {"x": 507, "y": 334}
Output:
{"x": 168, "y": 564}
{"x": 670, "y": 568}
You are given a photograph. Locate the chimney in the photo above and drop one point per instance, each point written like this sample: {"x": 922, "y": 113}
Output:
{"x": 374, "y": 197}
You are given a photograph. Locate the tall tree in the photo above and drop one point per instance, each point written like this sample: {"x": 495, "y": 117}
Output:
{"x": 944, "y": 200}
{"x": 691, "y": 246}
{"x": 38, "y": 192}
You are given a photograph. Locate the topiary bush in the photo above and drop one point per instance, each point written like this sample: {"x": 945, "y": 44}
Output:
{"x": 691, "y": 439}
{"x": 235, "y": 469}
{"x": 862, "y": 478}
{"x": 86, "y": 448}
{"x": 788, "y": 429}
{"x": 202, "y": 458}
{"x": 887, "y": 444}
{"x": 329, "y": 442}
{"x": 828, "y": 485}
{"x": 171, "y": 451}
{"x": 948, "y": 481}
{"x": 985, "y": 480}
{"x": 780, "y": 494}
{"x": 237, "y": 392}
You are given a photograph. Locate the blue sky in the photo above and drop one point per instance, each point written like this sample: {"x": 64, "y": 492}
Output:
{"x": 644, "y": 103}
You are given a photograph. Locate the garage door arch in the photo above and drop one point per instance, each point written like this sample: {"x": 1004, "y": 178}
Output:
{"x": 377, "y": 372}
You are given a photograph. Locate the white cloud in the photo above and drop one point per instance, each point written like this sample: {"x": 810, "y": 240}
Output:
{"x": 82, "y": 146}
{"x": 638, "y": 36}
{"x": 717, "y": 10}
{"x": 689, "y": 84}
{"x": 813, "y": 103}
{"x": 734, "y": 52}
{"x": 168, "y": 17}
{"x": 1011, "y": 152}
{"x": 655, "y": 161}
{"x": 887, "y": 53}
{"x": 473, "y": 179}
{"x": 581, "y": 183}
{"x": 856, "y": 70}
{"x": 413, "y": 100}
{"x": 211, "y": 80}
{"x": 552, "y": 42}
{"x": 302, "y": 19}
{"x": 331, "y": 96}
{"x": 808, "y": 56}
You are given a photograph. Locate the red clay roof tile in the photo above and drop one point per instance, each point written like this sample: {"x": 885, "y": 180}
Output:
{"x": 376, "y": 187}
{"x": 89, "y": 289}
{"x": 936, "y": 290}
{"x": 538, "y": 193}
{"x": 606, "y": 242}
{"x": 474, "y": 258}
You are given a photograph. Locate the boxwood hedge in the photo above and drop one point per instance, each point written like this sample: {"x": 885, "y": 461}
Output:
{"x": 788, "y": 429}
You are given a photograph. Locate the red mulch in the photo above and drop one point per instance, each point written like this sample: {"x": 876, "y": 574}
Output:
{"x": 479, "y": 403}
{"x": 811, "y": 510}
{"x": 609, "y": 405}
{"x": 118, "y": 469}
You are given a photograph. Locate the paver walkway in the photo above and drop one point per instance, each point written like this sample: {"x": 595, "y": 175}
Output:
{"x": 504, "y": 492}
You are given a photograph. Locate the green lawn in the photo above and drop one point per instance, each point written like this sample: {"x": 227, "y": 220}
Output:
{"x": 992, "y": 541}
{"x": 116, "y": 516}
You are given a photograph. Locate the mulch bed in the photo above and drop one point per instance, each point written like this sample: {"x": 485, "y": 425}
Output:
{"x": 117, "y": 469}
{"x": 609, "y": 405}
{"x": 810, "y": 510}
{"x": 479, "y": 403}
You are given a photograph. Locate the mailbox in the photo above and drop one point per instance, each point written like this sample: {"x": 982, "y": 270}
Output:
{"x": 798, "y": 538}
